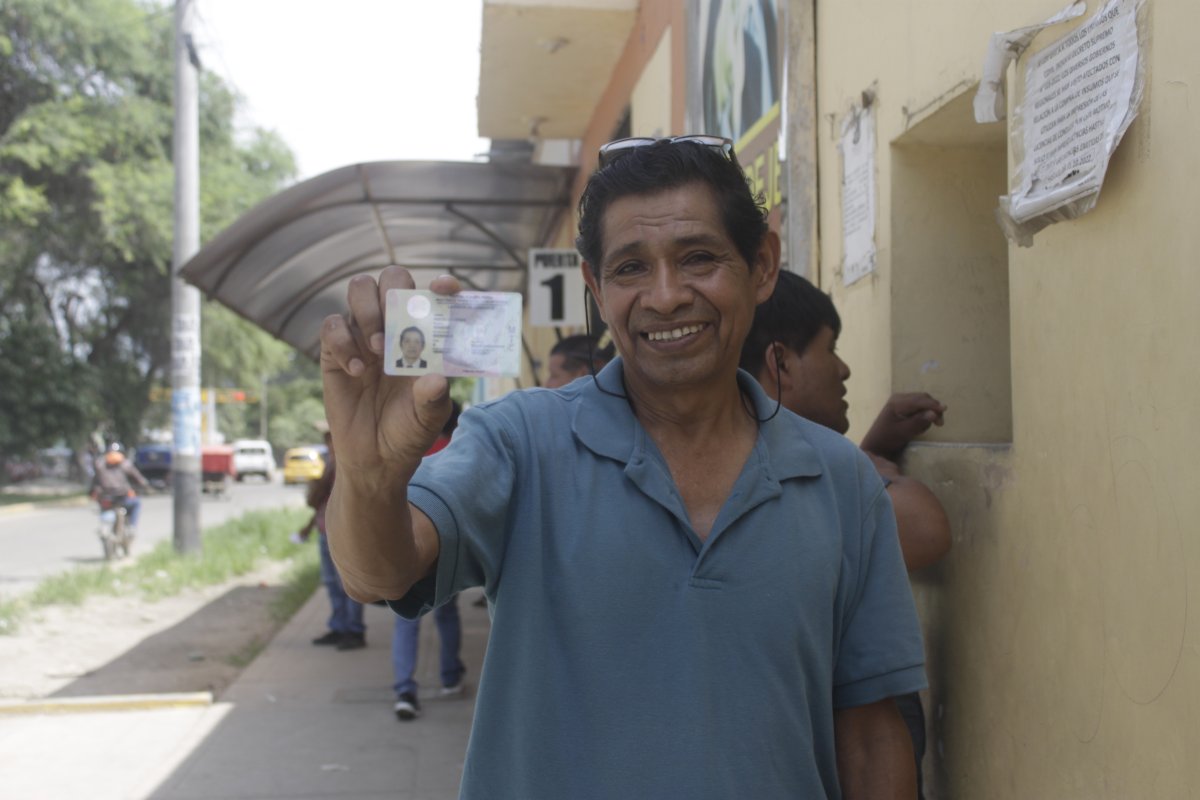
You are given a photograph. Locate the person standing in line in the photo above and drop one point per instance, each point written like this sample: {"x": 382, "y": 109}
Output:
{"x": 347, "y": 631}
{"x": 407, "y": 632}
{"x": 792, "y": 351}
{"x": 573, "y": 357}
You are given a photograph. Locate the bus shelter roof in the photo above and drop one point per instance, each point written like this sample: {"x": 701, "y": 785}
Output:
{"x": 285, "y": 264}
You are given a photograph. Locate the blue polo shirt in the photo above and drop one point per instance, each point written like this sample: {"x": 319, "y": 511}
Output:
{"x": 629, "y": 659}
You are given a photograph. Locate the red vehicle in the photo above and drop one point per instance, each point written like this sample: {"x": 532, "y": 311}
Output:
{"x": 217, "y": 469}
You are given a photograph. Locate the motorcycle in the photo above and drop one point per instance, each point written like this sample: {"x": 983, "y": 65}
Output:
{"x": 115, "y": 536}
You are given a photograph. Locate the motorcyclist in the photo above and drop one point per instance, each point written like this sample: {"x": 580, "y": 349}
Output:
{"x": 114, "y": 478}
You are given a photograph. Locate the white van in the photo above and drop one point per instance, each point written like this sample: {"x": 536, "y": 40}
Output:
{"x": 253, "y": 457}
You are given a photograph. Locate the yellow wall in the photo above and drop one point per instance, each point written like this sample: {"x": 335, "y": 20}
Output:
{"x": 648, "y": 83}
{"x": 650, "y": 105}
{"x": 1062, "y": 631}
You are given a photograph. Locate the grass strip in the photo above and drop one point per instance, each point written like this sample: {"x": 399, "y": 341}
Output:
{"x": 229, "y": 550}
{"x": 18, "y": 498}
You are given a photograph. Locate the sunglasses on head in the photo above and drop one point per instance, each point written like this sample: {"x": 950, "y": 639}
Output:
{"x": 618, "y": 147}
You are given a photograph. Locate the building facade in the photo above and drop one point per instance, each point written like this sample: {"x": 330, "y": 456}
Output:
{"x": 1063, "y": 637}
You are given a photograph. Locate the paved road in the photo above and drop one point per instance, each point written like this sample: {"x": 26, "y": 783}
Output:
{"x": 43, "y": 542}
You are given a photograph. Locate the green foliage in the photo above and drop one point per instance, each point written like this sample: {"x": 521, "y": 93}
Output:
{"x": 86, "y": 216}
{"x": 462, "y": 390}
{"x": 297, "y": 405}
{"x": 30, "y": 357}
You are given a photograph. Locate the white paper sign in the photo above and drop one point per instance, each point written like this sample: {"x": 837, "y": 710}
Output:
{"x": 991, "y": 103}
{"x": 858, "y": 195}
{"x": 1079, "y": 100}
{"x": 555, "y": 288}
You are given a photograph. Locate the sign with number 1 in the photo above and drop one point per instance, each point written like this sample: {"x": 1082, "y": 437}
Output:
{"x": 555, "y": 288}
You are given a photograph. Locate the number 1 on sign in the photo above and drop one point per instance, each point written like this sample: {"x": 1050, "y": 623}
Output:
{"x": 555, "y": 288}
{"x": 557, "y": 300}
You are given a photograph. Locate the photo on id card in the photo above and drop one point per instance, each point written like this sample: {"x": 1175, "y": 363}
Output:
{"x": 469, "y": 334}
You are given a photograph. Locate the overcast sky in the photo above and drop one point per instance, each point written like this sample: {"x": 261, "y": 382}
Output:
{"x": 353, "y": 80}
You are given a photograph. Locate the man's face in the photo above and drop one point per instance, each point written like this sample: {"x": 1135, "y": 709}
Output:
{"x": 815, "y": 386}
{"x": 411, "y": 346}
{"x": 676, "y": 294}
{"x": 557, "y": 373}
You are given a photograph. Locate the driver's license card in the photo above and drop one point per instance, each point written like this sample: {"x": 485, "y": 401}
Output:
{"x": 469, "y": 334}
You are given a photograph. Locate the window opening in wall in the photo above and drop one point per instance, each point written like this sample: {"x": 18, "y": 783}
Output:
{"x": 950, "y": 304}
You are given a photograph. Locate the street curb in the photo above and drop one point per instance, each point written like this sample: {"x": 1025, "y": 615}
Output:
{"x": 124, "y": 702}
{"x": 24, "y": 508}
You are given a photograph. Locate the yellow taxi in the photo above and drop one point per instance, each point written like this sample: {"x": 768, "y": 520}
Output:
{"x": 303, "y": 464}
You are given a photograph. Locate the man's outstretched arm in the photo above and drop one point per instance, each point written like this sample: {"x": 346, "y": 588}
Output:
{"x": 381, "y": 427}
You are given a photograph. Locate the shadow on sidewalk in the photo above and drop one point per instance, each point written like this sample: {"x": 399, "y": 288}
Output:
{"x": 306, "y": 721}
{"x": 204, "y": 652}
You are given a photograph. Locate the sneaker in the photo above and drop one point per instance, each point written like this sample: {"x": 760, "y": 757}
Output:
{"x": 407, "y": 708}
{"x": 453, "y": 689}
{"x": 330, "y": 638}
{"x": 352, "y": 641}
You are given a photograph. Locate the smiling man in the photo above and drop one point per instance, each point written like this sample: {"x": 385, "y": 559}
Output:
{"x": 692, "y": 594}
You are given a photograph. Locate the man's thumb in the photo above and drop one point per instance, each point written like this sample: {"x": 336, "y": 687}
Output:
{"x": 431, "y": 401}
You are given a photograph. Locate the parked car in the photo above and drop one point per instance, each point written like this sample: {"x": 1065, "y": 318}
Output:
{"x": 153, "y": 460}
{"x": 253, "y": 457}
{"x": 303, "y": 464}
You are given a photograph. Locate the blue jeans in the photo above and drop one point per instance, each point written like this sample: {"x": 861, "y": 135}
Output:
{"x": 133, "y": 509}
{"x": 346, "y": 615}
{"x": 404, "y": 647}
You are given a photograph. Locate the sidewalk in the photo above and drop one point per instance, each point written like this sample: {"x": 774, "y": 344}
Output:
{"x": 301, "y": 721}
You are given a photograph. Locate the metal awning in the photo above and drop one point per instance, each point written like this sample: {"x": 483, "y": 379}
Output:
{"x": 285, "y": 264}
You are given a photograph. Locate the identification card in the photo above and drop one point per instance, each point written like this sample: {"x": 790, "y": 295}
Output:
{"x": 469, "y": 334}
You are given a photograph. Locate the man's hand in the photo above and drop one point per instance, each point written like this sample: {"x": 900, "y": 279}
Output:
{"x": 904, "y": 417}
{"x": 381, "y": 424}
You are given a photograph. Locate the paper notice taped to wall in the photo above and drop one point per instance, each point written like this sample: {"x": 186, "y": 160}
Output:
{"x": 857, "y": 144}
{"x": 1080, "y": 95}
{"x": 991, "y": 103}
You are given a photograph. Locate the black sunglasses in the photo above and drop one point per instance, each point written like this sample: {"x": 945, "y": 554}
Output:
{"x": 618, "y": 147}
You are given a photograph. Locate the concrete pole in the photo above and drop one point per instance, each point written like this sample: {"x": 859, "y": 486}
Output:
{"x": 803, "y": 251}
{"x": 185, "y": 300}
{"x": 262, "y": 409}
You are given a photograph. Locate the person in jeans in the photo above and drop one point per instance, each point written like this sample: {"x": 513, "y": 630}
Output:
{"x": 407, "y": 632}
{"x": 114, "y": 477}
{"x": 347, "y": 631}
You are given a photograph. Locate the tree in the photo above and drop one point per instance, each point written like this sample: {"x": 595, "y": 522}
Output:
{"x": 86, "y": 198}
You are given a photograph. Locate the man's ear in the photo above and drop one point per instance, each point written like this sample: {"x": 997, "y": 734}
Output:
{"x": 775, "y": 366}
{"x": 766, "y": 266}
{"x": 589, "y": 278}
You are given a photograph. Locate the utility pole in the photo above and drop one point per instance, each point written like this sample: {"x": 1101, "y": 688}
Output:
{"x": 185, "y": 300}
{"x": 262, "y": 409}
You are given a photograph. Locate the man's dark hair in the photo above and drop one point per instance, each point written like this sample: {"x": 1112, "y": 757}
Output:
{"x": 580, "y": 352}
{"x": 410, "y": 329}
{"x": 664, "y": 165}
{"x": 793, "y": 314}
